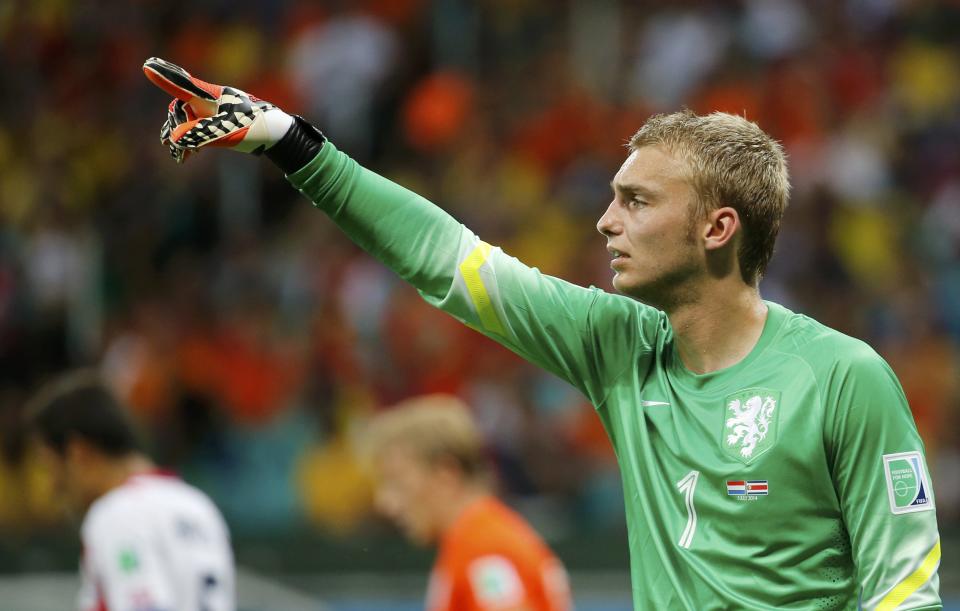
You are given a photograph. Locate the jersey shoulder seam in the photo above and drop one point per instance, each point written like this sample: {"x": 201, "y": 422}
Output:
{"x": 609, "y": 383}
{"x": 809, "y": 368}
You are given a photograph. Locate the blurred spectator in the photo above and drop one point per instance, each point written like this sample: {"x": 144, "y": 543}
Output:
{"x": 340, "y": 66}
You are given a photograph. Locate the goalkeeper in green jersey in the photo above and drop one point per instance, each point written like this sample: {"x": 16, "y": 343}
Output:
{"x": 768, "y": 462}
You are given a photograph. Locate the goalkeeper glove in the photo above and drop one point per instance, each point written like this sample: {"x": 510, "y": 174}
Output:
{"x": 203, "y": 114}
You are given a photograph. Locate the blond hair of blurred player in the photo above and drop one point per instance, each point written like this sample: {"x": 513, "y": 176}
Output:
{"x": 150, "y": 541}
{"x": 430, "y": 476}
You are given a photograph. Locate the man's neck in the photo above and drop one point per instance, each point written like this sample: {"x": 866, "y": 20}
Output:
{"x": 717, "y": 333}
{"x": 458, "y": 504}
{"x": 117, "y": 472}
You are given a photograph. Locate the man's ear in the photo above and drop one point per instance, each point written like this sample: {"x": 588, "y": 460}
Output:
{"x": 78, "y": 451}
{"x": 448, "y": 469}
{"x": 721, "y": 227}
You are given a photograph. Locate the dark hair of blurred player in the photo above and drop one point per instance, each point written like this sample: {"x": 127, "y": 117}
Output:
{"x": 88, "y": 443}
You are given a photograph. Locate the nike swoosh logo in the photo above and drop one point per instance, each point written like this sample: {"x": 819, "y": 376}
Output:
{"x": 644, "y": 403}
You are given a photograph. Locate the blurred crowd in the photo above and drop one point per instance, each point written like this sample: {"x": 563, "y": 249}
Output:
{"x": 252, "y": 339}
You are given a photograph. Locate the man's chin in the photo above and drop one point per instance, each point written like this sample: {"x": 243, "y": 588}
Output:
{"x": 418, "y": 538}
{"x": 73, "y": 513}
{"x": 643, "y": 293}
{"x": 622, "y": 284}
{"x": 617, "y": 282}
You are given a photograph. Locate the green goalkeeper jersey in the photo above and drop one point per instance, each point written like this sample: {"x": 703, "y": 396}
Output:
{"x": 794, "y": 479}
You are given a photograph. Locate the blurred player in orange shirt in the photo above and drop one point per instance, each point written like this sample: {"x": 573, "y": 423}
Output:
{"x": 427, "y": 460}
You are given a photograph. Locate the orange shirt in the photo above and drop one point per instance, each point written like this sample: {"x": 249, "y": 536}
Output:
{"x": 492, "y": 560}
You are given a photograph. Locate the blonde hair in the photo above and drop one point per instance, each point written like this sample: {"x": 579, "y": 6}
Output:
{"x": 434, "y": 427}
{"x": 732, "y": 163}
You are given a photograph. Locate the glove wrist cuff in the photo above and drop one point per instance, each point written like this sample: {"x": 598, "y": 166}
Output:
{"x": 298, "y": 147}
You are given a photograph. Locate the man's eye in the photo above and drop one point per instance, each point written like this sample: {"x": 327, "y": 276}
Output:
{"x": 637, "y": 202}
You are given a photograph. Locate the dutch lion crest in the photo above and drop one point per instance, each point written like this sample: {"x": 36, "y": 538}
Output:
{"x": 749, "y": 422}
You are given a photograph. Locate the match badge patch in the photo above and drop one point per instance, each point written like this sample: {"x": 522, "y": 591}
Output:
{"x": 128, "y": 560}
{"x": 908, "y": 486}
{"x": 495, "y": 582}
{"x": 749, "y": 423}
{"x": 753, "y": 487}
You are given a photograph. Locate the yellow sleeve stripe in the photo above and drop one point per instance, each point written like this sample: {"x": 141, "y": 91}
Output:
{"x": 912, "y": 583}
{"x": 470, "y": 270}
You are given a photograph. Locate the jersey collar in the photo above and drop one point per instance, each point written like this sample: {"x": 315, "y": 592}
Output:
{"x": 716, "y": 380}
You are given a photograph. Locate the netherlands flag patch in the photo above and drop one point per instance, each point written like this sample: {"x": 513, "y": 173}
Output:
{"x": 736, "y": 488}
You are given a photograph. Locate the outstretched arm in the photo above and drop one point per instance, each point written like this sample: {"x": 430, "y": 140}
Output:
{"x": 548, "y": 321}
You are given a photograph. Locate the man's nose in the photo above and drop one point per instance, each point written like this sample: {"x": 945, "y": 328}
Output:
{"x": 608, "y": 224}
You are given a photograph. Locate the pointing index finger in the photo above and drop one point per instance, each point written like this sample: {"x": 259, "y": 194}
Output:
{"x": 179, "y": 83}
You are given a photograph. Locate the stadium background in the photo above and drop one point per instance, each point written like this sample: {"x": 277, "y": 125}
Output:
{"x": 252, "y": 339}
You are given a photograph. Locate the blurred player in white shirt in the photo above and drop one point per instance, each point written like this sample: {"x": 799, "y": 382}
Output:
{"x": 150, "y": 541}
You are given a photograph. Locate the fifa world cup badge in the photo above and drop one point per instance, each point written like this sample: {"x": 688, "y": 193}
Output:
{"x": 908, "y": 486}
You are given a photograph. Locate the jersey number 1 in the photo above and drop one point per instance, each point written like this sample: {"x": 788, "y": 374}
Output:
{"x": 686, "y": 486}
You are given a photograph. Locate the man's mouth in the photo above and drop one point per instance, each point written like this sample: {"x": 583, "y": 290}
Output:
{"x": 617, "y": 256}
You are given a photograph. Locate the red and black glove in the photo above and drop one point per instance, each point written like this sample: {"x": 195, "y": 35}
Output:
{"x": 203, "y": 114}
